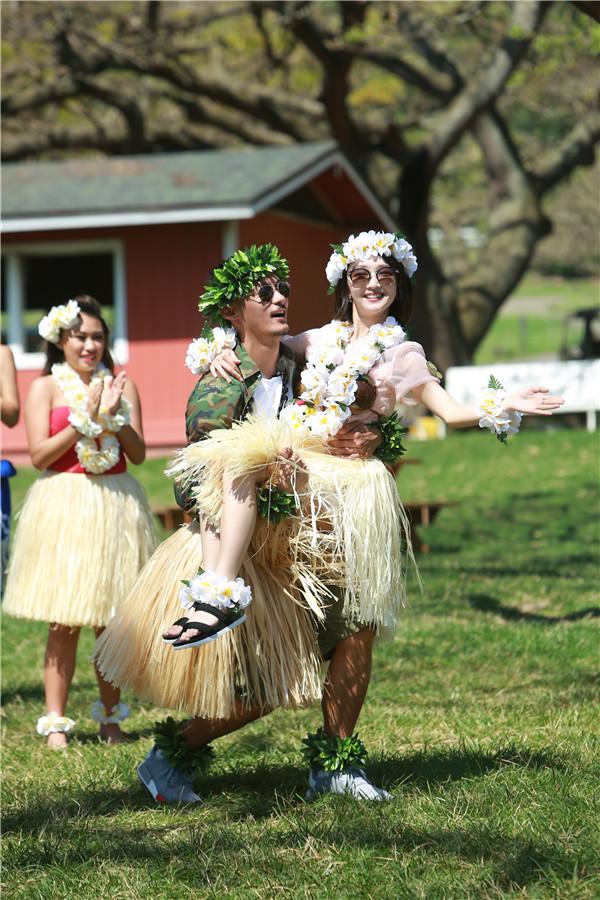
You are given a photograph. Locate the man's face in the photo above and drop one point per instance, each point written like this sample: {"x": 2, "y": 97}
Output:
{"x": 263, "y": 314}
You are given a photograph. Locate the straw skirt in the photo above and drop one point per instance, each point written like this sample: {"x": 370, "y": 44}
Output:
{"x": 271, "y": 660}
{"x": 79, "y": 544}
{"x": 351, "y": 530}
{"x": 347, "y": 533}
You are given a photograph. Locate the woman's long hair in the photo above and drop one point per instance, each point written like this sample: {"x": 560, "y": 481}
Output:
{"x": 401, "y": 308}
{"x": 90, "y": 306}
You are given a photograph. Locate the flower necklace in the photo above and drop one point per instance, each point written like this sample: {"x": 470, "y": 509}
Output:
{"x": 92, "y": 458}
{"x": 330, "y": 379}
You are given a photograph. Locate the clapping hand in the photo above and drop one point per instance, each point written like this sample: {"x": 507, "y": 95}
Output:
{"x": 113, "y": 391}
{"x": 535, "y": 401}
{"x": 93, "y": 400}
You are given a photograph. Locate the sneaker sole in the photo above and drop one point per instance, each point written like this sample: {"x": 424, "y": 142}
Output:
{"x": 197, "y": 642}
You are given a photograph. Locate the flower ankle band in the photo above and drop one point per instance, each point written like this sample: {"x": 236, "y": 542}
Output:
{"x": 52, "y": 723}
{"x": 118, "y": 713}
{"x": 493, "y": 416}
{"x": 333, "y": 753}
{"x": 215, "y": 590}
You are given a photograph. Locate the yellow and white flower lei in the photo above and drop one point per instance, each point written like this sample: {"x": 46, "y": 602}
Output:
{"x": 201, "y": 352}
{"x": 92, "y": 458}
{"x": 329, "y": 381}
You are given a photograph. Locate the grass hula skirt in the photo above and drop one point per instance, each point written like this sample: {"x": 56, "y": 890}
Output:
{"x": 79, "y": 544}
{"x": 272, "y": 660}
{"x": 352, "y": 531}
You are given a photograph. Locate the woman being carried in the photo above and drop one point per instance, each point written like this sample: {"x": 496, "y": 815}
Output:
{"x": 85, "y": 528}
{"x": 359, "y": 368}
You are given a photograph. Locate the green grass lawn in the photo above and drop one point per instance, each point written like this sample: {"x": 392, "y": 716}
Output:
{"x": 532, "y": 322}
{"x": 481, "y": 719}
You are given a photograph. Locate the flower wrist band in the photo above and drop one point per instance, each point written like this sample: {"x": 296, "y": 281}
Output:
{"x": 201, "y": 352}
{"x": 493, "y": 416}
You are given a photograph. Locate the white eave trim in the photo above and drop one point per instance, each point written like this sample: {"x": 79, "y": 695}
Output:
{"x": 116, "y": 219}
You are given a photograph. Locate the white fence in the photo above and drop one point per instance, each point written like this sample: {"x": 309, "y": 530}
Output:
{"x": 578, "y": 381}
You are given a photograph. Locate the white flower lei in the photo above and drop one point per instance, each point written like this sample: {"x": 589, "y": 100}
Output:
{"x": 59, "y": 318}
{"x": 330, "y": 379}
{"x": 201, "y": 352}
{"x": 93, "y": 459}
{"x": 369, "y": 244}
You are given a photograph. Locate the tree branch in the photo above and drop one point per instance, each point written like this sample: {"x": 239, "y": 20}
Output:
{"x": 448, "y": 126}
{"x": 576, "y": 149}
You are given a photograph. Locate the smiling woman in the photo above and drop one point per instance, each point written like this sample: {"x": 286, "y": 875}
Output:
{"x": 86, "y": 521}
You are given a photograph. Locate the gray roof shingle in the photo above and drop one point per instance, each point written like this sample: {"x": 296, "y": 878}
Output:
{"x": 213, "y": 178}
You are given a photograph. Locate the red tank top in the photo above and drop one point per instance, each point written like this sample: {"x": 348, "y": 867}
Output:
{"x": 68, "y": 462}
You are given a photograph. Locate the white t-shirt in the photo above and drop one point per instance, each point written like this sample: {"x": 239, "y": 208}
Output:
{"x": 267, "y": 396}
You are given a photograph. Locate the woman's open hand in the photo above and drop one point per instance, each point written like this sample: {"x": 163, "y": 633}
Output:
{"x": 226, "y": 364}
{"x": 93, "y": 400}
{"x": 113, "y": 391}
{"x": 535, "y": 401}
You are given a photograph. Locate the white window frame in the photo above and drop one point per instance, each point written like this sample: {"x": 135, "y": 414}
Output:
{"x": 13, "y": 254}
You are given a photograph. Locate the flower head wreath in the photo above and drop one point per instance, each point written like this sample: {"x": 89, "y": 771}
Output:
{"x": 365, "y": 245}
{"x": 237, "y": 277}
{"x": 59, "y": 318}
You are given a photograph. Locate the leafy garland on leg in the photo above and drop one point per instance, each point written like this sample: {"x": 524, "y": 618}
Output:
{"x": 333, "y": 753}
{"x": 274, "y": 504}
{"x": 169, "y": 739}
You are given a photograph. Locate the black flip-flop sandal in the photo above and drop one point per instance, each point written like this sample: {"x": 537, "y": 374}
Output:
{"x": 227, "y": 621}
{"x": 175, "y": 637}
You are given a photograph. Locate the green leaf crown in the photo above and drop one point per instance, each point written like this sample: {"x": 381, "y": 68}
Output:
{"x": 237, "y": 277}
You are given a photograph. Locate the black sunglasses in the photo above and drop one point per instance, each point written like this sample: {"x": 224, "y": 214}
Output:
{"x": 266, "y": 291}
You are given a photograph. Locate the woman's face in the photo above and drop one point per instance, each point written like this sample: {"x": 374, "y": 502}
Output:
{"x": 372, "y": 285}
{"x": 84, "y": 344}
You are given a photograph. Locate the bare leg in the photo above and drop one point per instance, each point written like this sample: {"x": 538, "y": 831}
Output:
{"x": 109, "y": 697}
{"x": 238, "y": 518}
{"x": 347, "y": 683}
{"x": 200, "y": 732}
{"x": 210, "y": 554}
{"x": 59, "y": 666}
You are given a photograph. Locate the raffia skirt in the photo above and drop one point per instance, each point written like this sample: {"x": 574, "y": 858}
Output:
{"x": 271, "y": 660}
{"x": 79, "y": 545}
{"x": 349, "y": 532}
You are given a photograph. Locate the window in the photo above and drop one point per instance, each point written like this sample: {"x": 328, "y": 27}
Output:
{"x": 38, "y": 276}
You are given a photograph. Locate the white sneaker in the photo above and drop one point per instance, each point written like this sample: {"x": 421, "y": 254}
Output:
{"x": 351, "y": 781}
{"x": 165, "y": 783}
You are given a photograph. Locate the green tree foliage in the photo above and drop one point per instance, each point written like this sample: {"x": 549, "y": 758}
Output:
{"x": 465, "y": 117}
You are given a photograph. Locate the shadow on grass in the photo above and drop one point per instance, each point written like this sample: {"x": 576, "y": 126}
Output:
{"x": 485, "y": 603}
{"x": 24, "y": 693}
{"x": 257, "y": 790}
{"x": 515, "y": 860}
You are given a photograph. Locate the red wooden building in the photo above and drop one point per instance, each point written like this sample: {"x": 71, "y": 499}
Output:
{"x": 141, "y": 234}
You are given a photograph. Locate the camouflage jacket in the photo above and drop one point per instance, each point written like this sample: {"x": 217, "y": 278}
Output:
{"x": 214, "y": 403}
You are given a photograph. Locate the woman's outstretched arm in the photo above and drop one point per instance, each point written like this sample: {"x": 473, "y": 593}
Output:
{"x": 535, "y": 401}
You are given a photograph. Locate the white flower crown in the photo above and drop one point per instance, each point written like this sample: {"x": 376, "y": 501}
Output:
{"x": 368, "y": 244}
{"x": 59, "y": 318}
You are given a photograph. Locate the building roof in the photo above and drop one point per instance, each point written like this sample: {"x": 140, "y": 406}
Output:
{"x": 164, "y": 187}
